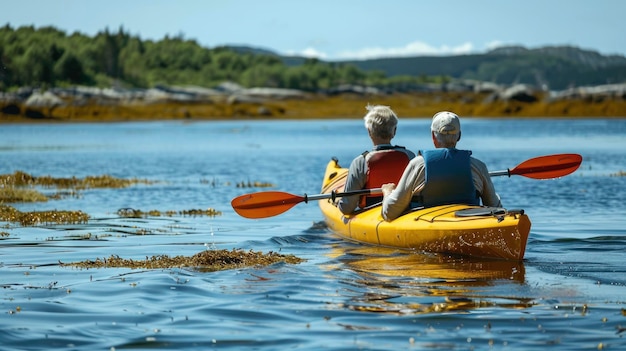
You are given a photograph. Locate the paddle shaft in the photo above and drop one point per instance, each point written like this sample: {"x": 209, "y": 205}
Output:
{"x": 333, "y": 195}
{"x": 500, "y": 173}
{"x": 271, "y": 203}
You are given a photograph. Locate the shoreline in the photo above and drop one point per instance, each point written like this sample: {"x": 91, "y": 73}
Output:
{"x": 345, "y": 106}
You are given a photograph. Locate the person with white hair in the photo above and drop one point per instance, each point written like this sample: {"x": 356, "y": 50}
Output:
{"x": 444, "y": 175}
{"x": 383, "y": 164}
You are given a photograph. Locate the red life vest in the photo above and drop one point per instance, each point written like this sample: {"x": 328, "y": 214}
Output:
{"x": 383, "y": 166}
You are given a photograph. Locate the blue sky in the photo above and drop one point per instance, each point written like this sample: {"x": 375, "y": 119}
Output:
{"x": 343, "y": 29}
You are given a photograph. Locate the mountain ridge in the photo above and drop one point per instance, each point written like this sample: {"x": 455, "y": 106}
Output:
{"x": 548, "y": 67}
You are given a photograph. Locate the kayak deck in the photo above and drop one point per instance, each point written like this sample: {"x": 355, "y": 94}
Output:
{"x": 452, "y": 229}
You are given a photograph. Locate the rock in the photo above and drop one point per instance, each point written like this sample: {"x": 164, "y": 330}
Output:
{"x": 353, "y": 89}
{"x": 228, "y": 87}
{"x": 518, "y": 92}
{"x": 272, "y": 93}
{"x": 47, "y": 99}
{"x": 599, "y": 92}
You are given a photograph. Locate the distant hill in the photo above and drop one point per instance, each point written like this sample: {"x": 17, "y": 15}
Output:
{"x": 240, "y": 49}
{"x": 553, "y": 67}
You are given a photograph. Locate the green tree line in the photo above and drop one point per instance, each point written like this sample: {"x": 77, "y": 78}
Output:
{"x": 46, "y": 57}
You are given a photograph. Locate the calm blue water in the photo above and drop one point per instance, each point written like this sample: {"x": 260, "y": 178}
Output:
{"x": 569, "y": 293}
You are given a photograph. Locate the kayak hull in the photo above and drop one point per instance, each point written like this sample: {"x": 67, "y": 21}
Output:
{"x": 451, "y": 229}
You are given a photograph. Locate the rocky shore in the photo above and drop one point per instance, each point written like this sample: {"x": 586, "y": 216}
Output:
{"x": 231, "y": 101}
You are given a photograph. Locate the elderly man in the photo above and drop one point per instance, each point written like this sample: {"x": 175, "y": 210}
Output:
{"x": 445, "y": 175}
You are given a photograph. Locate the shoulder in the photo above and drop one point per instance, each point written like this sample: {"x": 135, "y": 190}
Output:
{"x": 359, "y": 161}
{"x": 476, "y": 162}
{"x": 409, "y": 153}
{"x": 417, "y": 161}
{"x": 402, "y": 149}
{"x": 480, "y": 166}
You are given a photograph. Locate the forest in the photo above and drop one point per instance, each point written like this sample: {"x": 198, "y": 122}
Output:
{"x": 46, "y": 57}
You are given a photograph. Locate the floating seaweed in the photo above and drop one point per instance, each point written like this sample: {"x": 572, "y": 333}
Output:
{"x": 213, "y": 182}
{"x": 10, "y": 194}
{"x": 12, "y": 186}
{"x": 133, "y": 213}
{"x": 249, "y": 184}
{"x": 209, "y": 260}
{"x": 21, "y": 179}
{"x": 10, "y": 214}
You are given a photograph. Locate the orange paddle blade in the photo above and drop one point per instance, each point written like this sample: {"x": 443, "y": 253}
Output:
{"x": 546, "y": 167}
{"x": 264, "y": 204}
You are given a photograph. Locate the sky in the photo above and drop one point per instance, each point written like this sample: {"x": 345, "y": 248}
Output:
{"x": 343, "y": 29}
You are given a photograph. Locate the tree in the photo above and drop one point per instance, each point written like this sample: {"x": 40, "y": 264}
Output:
{"x": 69, "y": 68}
{"x": 35, "y": 66}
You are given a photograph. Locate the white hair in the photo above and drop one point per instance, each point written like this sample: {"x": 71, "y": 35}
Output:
{"x": 447, "y": 140}
{"x": 381, "y": 121}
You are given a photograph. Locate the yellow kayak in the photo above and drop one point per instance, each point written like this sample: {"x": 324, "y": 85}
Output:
{"x": 451, "y": 229}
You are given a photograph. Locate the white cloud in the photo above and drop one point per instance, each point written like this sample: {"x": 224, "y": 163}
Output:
{"x": 416, "y": 48}
{"x": 494, "y": 44}
{"x": 308, "y": 52}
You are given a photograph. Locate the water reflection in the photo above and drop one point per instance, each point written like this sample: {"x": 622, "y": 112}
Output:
{"x": 404, "y": 282}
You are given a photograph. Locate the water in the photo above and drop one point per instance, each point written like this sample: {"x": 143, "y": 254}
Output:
{"x": 569, "y": 293}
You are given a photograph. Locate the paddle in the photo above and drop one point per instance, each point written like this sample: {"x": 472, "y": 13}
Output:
{"x": 544, "y": 167}
{"x": 271, "y": 203}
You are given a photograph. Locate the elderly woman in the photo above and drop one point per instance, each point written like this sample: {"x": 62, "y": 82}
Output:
{"x": 383, "y": 164}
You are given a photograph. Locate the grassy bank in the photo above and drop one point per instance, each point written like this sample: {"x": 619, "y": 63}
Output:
{"x": 340, "y": 106}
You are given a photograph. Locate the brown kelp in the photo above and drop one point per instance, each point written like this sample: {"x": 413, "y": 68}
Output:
{"x": 209, "y": 260}
{"x": 135, "y": 213}
{"x": 10, "y": 214}
{"x": 23, "y": 179}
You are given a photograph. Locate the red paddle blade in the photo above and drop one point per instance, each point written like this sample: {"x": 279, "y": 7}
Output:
{"x": 546, "y": 167}
{"x": 264, "y": 204}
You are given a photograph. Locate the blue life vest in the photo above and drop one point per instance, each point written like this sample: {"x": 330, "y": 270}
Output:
{"x": 448, "y": 178}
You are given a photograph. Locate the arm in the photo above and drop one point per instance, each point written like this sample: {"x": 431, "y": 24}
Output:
{"x": 484, "y": 185}
{"x": 357, "y": 174}
{"x": 397, "y": 201}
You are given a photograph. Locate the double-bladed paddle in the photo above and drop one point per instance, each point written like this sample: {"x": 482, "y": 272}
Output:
{"x": 544, "y": 167}
{"x": 271, "y": 203}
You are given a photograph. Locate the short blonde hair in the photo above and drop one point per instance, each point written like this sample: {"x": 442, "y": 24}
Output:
{"x": 381, "y": 121}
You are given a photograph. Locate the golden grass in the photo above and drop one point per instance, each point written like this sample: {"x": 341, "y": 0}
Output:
{"x": 426, "y": 104}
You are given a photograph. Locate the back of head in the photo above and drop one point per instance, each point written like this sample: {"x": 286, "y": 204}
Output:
{"x": 446, "y": 128}
{"x": 381, "y": 121}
